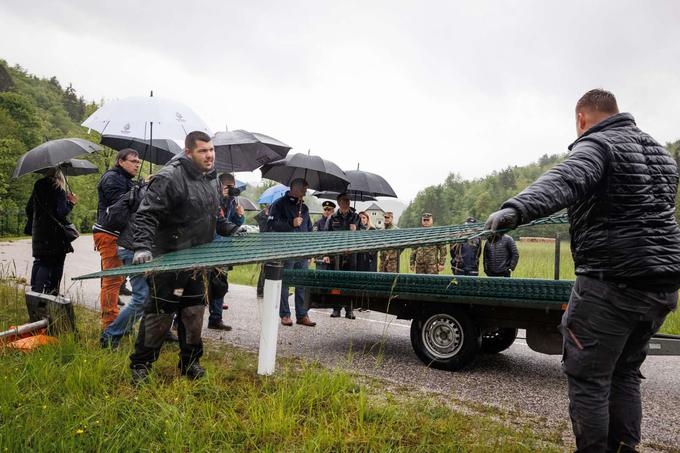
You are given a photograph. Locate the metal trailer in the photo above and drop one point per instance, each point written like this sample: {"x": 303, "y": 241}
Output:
{"x": 455, "y": 318}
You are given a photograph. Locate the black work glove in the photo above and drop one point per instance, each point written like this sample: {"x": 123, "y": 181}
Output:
{"x": 241, "y": 231}
{"x": 142, "y": 256}
{"x": 504, "y": 219}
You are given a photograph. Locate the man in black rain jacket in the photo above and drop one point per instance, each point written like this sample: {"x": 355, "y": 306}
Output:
{"x": 619, "y": 186}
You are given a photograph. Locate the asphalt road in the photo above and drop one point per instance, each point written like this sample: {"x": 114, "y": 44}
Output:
{"x": 520, "y": 381}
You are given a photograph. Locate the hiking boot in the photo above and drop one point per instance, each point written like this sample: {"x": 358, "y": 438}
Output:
{"x": 219, "y": 326}
{"x": 305, "y": 321}
{"x": 286, "y": 321}
{"x": 140, "y": 376}
{"x": 111, "y": 343}
{"x": 336, "y": 313}
{"x": 349, "y": 314}
{"x": 194, "y": 372}
{"x": 171, "y": 337}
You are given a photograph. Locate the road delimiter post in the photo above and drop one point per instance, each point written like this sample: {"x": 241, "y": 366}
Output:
{"x": 269, "y": 331}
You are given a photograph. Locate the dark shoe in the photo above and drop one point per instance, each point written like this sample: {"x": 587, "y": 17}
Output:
{"x": 109, "y": 343}
{"x": 219, "y": 326}
{"x": 349, "y": 314}
{"x": 260, "y": 295}
{"x": 305, "y": 321}
{"x": 121, "y": 303}
{"x": 194, "y": 372}
{"x": 171, "y": 337}
{"x": 286, "y": 321}
{"x": 124, "y": 290}
{"x": 336, "y": 313}
{"x": 140, "y": 376}
{"x": 225, "y": 307}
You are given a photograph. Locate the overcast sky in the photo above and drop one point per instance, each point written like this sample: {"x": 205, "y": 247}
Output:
{"x": 410, "y": 90}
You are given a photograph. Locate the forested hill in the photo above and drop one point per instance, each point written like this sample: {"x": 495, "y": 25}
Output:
{"x": 32, "y": 111}
{"x": 456, "y": 199}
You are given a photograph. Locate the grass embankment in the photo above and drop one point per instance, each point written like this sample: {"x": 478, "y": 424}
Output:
{"x": 537, "y": 260}
{"x": 73, "y": 396}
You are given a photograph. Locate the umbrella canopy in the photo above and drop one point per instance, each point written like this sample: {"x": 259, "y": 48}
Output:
{"x": 161, "y": 151}
{"x": 145, "y": 118}
{"x": 75, "y": 167}
{"x": 241, "y": 150}
{"x": 272, "y": 194}
{"x": 320, "y": 174}
{"x": 247, "y": 204}
{"x": 52, "y": 154}
{"x": 358, "y": 196}
{"x": 363, "y": 182}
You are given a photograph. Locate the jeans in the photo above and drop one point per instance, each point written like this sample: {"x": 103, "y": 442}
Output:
{"x": 606, "y": 329}
{"x": 46, "y": 273}
{"x": 284, "y": 308}
{"x": 133, "y": 311}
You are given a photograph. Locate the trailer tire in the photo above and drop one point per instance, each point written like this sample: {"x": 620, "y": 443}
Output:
{"x": 445, "y": 339}
{"x": 497, "y": 340}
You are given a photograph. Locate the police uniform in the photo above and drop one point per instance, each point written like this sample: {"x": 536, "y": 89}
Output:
{"x": 322, "y": 225}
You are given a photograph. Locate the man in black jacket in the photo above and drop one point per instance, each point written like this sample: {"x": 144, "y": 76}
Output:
{"x": 113, "y": 185}
{"x": 290, "y": 214}
{"x": 500, "y": 256}
{"x": 619, "y": 186}
{"x": 180, "y": 210}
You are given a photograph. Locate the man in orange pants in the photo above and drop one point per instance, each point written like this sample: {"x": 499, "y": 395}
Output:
{"x": 113, "y": 185}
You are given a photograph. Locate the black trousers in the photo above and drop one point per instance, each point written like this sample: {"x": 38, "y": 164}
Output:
{"x": 46, "y": 273}
{"x": 260, "y": 281}
{"x": 181, "y": 295}
{"x": 606, "y": 329}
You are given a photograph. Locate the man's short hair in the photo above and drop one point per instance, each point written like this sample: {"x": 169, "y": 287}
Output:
{"x": 342, "y": 195}
{"x": 193, "y": 137}
{"x": 227, "y": 178}
{"x": 123, "y": 154}
{"x": 598, "y": 100}
{"x": 389, "y": 214}
{"x": 298, "y": 182}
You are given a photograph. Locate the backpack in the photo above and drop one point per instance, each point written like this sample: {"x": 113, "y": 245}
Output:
{"x": 119, "y": 213}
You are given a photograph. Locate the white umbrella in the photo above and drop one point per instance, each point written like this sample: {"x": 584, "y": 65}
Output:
{"x": 146, "y": 118}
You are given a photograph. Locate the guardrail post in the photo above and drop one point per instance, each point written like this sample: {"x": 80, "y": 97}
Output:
{"x": 269, "y": 330}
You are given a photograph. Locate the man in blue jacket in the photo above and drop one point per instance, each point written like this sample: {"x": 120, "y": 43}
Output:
{"x": 290, "y": 214}
{"x": 619, "y": 185}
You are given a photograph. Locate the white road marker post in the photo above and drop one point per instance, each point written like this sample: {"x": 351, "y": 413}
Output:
{"x": 269, "y": 329}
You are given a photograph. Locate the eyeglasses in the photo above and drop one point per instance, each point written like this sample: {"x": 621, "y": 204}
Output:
{"x": 327, "y": 209}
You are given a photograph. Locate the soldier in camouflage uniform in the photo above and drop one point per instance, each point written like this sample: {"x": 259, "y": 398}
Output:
{"x": 389, "y": 258}
{"x": 429, "y": 259}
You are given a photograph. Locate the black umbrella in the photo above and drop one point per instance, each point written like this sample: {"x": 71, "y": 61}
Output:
{"x": 53, "y": 153}
{"x": 241, "y": 150}
{"x": 358, "y": 196}
{"x": 363, "y": 182}
{"x": 161, "y": 151}
{"x": 319, "y": 173}
{"x": 75, "y": 167}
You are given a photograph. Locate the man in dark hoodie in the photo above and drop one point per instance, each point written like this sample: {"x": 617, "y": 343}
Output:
{"x": 180, "y": 209}
{"x": 619, "y": 185}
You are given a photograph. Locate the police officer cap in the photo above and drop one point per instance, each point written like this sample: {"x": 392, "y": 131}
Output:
{"x": 328, "y": 204}
{"x": 426, "y": 215}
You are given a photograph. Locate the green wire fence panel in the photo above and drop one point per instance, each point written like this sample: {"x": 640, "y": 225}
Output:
{"x": 261, "y": 247}
{"x": 432, "y": 286}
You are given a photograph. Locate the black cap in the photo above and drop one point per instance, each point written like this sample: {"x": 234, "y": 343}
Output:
{"x": 426, "y": 215}
{"x": 328, "y": 204}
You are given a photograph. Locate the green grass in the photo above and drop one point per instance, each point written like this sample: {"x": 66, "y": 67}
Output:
{"x": 73, "y": 396}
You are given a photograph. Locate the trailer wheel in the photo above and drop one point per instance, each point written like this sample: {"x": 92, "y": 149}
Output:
{"x": 445, "y": 340}
{"x": 497, "y": 340}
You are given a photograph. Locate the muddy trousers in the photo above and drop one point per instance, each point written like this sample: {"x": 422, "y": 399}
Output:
{"x": 606, "y": 329}
{"x": 184, "y": 298}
